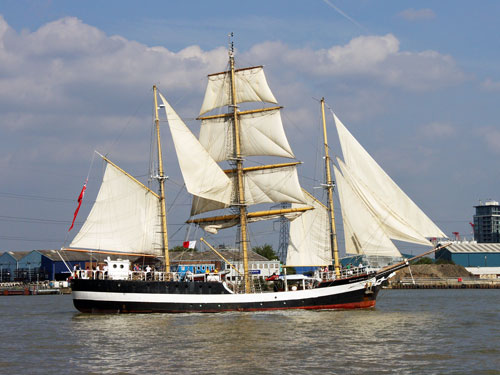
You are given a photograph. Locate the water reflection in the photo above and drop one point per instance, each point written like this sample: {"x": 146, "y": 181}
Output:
{"x": 297, "y": 340}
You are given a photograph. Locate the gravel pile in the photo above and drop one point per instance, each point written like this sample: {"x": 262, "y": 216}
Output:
{"x": 443, "y": 271}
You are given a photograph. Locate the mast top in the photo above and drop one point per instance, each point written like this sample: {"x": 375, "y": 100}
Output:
{"x": 231, "y": 44}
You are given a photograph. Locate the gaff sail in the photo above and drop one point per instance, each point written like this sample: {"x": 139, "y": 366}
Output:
{"x": 124, "y": 218}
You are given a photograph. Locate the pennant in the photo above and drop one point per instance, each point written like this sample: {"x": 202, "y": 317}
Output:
{"x": 189, "y": 244}
{"x": 80, "y": 198}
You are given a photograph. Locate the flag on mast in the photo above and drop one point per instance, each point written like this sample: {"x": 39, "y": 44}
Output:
{"x": 189, "y": 244}
{"x": 80, "y": 198}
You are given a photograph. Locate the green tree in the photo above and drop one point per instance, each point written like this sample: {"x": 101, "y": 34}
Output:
{"x": 180, "y": 248}
{"x": 424, "y": 260}
{"x": 444, "y": 261}
{"x": 266, "y": 251}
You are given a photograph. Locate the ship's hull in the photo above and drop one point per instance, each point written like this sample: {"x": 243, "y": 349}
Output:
{"x": 124, "y": 296}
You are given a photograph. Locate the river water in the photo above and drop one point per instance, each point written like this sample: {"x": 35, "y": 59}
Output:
{"x": 409, "y": 332}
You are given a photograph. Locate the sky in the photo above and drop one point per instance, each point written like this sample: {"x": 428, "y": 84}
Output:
{"x": 417, "y": 83}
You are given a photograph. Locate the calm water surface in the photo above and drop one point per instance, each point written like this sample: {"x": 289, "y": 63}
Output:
{"x": 409, "y": 332}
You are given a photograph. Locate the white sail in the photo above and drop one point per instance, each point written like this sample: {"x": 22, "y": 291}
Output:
{"x": 274, "y": 185}
{"x": 261, "y": 133}
{"x": 125, "y": 217}
{"x": 251, "y": 86}
{"x": 363, "y": 232}
{"x": 214, "y": 227}
{"x": 309, "y": 240}
{"x": 394, "y": 226}
{"x": 202, "y": 176}
{"x": 200, "y": 205}
{"x": 366, "y": 169}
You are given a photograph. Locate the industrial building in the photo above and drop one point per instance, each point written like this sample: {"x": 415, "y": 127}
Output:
{"x": 9, "y": 264}
{"x": 481, "y": 259}
{"x": 471, "y": 254}
{"x": 487, "y": 222}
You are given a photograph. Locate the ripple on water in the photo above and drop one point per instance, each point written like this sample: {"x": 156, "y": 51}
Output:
{"x": 409, "y": 332}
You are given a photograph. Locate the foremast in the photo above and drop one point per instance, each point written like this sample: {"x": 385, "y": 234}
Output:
{"x": 329, "y": 188}
{"x": 161, "y": 181}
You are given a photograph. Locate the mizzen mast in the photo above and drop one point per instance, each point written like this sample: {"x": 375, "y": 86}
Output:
{"x": 161, "y": 180}
{"x": 329, "y": 187}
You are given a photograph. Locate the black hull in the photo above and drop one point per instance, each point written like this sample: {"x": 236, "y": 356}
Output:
{"x": 124, "y": 296}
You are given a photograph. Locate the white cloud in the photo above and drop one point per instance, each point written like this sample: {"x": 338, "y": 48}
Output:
{"x": 55, "y": 65}
{"x": 490, "y": 85}
{"x": 491, "y": 137}
{"x": 437, "y": 130}
{"x": 417, "y": 14}
{"x": 377, "y": 58}
{"x": 71, "y": 81}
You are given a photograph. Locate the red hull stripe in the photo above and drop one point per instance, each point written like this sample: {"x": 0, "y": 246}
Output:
{"x": 340, "y": 306}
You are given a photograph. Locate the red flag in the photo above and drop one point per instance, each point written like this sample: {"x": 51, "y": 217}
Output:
{"x": 80, "y": 198}
{"x": 472, "y": 225}
{"x": 189, "y": 244}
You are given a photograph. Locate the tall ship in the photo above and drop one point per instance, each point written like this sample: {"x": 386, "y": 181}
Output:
{"x": 129, "y": 219}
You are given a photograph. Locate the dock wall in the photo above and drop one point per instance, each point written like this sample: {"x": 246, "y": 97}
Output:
{"x": 444, "y": 283}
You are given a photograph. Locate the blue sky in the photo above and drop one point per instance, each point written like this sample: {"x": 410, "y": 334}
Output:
{"x": 417, "y": 83}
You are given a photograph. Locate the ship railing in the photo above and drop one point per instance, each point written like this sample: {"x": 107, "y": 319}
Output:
{"x": 143, "y": 275}
{"x": 131, "y": 275}
{"x": 148, "y": 276}
{"x": 233, "y": 286}
{"x": 88, "y": 274}
{"x": 174, "y": 276}
{"x": 207, "y": 276}
{"x": 353, "y": 271}
{"x": 345, "y": 273}
{"x": 235, "y": 283}
{"x": 154, "y": 276}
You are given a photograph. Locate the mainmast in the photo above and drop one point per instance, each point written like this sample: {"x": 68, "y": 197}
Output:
{"x": 233, "y": 136}
{"x": 161, "y": 180}
{"x": 329, "y": 187}
{"x": 239, "y": 172}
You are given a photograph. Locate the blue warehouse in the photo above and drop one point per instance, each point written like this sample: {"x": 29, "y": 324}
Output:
{"x": 471, "y": 254}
